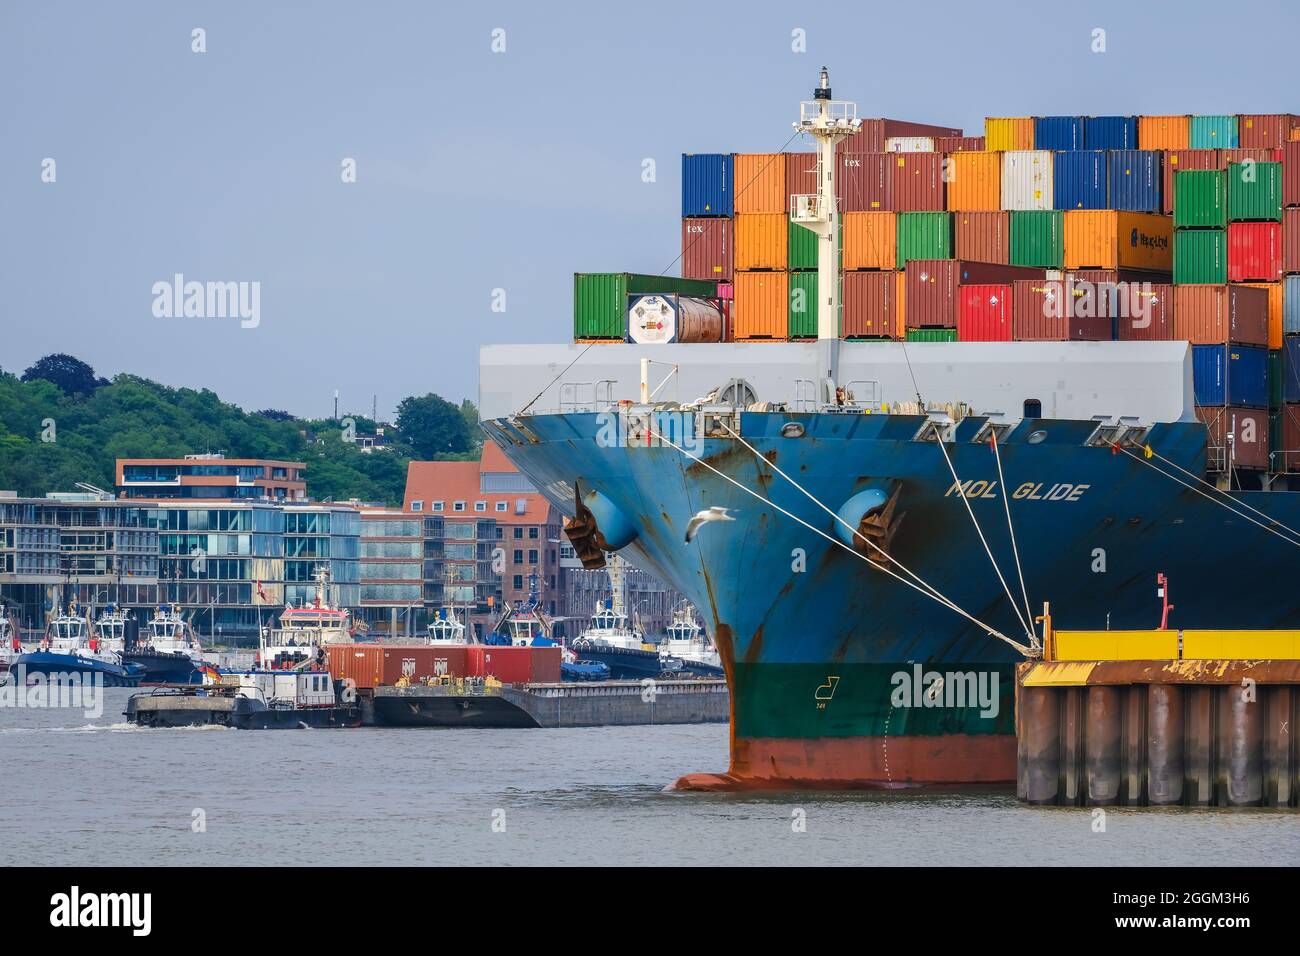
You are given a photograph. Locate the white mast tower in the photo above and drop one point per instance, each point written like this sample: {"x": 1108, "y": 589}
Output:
{"x": 827, "y": 121}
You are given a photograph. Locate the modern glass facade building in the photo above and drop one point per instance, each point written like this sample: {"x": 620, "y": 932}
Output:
{"x": 392, "y": 572}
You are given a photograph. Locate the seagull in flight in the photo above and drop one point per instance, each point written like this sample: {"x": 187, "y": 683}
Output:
{"x": 703, "y": 517}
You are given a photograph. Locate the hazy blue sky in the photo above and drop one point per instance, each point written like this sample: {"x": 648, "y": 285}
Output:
{"x": 476, "y": 170}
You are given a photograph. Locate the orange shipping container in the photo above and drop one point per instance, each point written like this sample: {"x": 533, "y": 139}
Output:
{"x": 761, "y": 240}
{"x": 761, "y": 310}
{"x": 1163, "y": 132}
{"x": 760, "y": 182}
{"x": 1220, "y": 315}
{"x": 974, "y": 181}
{"x": 1274, "y": 290}
{"x": 982, "y": 237}
{"x": 1110, "y": 239}
{"x": 869, "y": 240}
{"x": 1008, "y": 132}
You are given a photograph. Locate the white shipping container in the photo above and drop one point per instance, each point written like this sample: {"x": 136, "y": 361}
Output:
{"x": 1027, "y": 179}
{"x": 909, "y": 144}
{"x": 658, "y": 319}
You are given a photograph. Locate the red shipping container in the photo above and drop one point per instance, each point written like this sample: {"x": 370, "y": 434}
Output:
{"x": 514, "y": 665}
{"x": 1291, "y": 174}
{"x": 933, "y": 287}
{"x": 1267, "y": 130}
{"x": 1221, "y": 314}
{"x": 982, "y": 236}
{"x": 917, "y": 182}
{"x": 1291, "y": 240}
{"x": 1178, "y": 159}
{"x": 707, "y": 249}
{"x": 1228, "y": 156}
{"x": 376, "y": 665}
{"x": 871, "y": 138}
{"x": 959, "y": 144}
{"x": 1290, "y": 438}
{"x": 984, "y": 314}
{"x": 1055, "y": 311}
{"x": 866, "y": 182}
{"x": 544, "y": 665}
{"x": 1254, "y": 251}
{"x": 870, "y": 305}
{"x": 1143, "y": 312}
{"x": 1248, "y": 428}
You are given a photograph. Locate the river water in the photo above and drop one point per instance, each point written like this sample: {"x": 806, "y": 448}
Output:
{"x": 86, "y": 790}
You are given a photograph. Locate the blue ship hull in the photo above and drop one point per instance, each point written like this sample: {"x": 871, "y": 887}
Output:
{"x": 53, "y": 667}
{"x": 814, "y": 638}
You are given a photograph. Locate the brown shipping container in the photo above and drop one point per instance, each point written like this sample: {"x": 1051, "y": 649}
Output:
{"x": 759, "y": 181}
{"x": 383, "y": 665}
{"x": 1291, "y": 174}
{"x": 1274, "y": 291}
{"x": 933, "y": 284}
{"x": 1249, "y": 428}
{"x": 762, "y": 308}
{"x": 918, "y": 182}
{"x": 959, "y": 144}
{"x": 1163, "y": 132}
{"x": 1143, "y": 312}
{"x": 1041, "y": 313}
{"x": 982, "y": 236}
{"x": 870, "y": 305}
{"x": 1178, "y": 159}
{"x": 761, "y": 241}
{"x": 801, "y": 176}
{"x": 1291, "y": 240}
{"x": 1290, "y": 438}
{"x": 1265, "y": 131}
{"x": 974, "y": 182}
{"x": 871, "y": 138}
{"x": 1221, "y": 314}
{"x": 1228, "y": 156}
{"x": 707, "y": 249}
{"x": 869, "y": 240}
{"x": 514, "y": 665}
{"x": 868, "y": 181}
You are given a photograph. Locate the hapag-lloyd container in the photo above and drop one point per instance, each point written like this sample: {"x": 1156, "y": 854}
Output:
{"x": 974, "y": 182}
{"x": 762, "y": 306}
{"x": 1291, "y": 174}
{"x": 870, "y": 240}
{"x": 1110, "y": 239}
{"x": 1050, "y": 311}
{"x": 1201, "y": 199}
{"x": 934, "y": 287}
{"x": 1079, "y": 179}
{"x": 982, "y": 236}
{"x": 1254, "y": 191}
{"x": 922, "y": 235}
{"x": 917, "y": 182}
{"x": 761, "y": 241}
{"x": 801, "y": 318}
{"x": 984, "y": 313}
{"x": 1291, "y": 307}
{"x": 1027, "y": 180}
{"x": 1265, "y": 131}
{"x": 959, "y": 144}
{"x": 1200, "y": 256}
{"x": 1005, "y": 133}
{"x": 1249, "y": 431}
{"x": 1133, "y": 178}
{"x": 1144, "y": 312}
{"x": 706, "y": 184}
{"x": 1254, "y": 251}
{"x": 1213, "y": 132}
{"x": 1276, "y": 309}
{"x": 1230, "y": 375}
{"x": 760, "y": 183}
{"x": 1058, "y": 132}
{"x": 1177, "y": 160}
{"x": 1110, "y": 132}
{"x": 871, "y": 307}
{"x": 867, "y": 181}
{"x": 1221, "y": 314}
{"x": 707, "y": 249}
{"x": 1164, "y": 132}
{"x": 1037, "y": 239}
{"x": 600, "y": 299}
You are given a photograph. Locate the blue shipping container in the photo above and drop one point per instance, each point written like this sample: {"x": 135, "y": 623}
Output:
{"x": 1291, "y": 368}
{"x": 1079, "y": 180}
{"x": 1213, "y": 132}
{"x": 1291, "y": 306}
{"x": 1230, "y": 375}
{"x": 1110, "y": 132}
{"x": 1058, "y": 132}
{"x": 1134, "y": 179}
{"x": 706, "y": 184}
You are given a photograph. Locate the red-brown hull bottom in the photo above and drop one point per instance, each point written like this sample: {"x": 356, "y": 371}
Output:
{"x": 862, "y": 763}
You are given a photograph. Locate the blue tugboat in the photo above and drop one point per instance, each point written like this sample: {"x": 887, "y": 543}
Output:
{"x": 68, "y": 649}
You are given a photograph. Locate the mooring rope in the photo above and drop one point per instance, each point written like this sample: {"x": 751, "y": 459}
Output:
{"x": 1011, "y": 530}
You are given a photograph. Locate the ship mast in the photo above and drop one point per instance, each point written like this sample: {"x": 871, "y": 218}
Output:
{"x": 827, "y": 121}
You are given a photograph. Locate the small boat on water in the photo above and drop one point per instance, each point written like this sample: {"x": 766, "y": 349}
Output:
{"x": 304, "y": 631}
{"x": 167, "y": 649}
{"x": 69, "y": 650}
{"x": 686, "y": 648}
{"x": 447, "y": 629}
{"x": 611, "y": 640}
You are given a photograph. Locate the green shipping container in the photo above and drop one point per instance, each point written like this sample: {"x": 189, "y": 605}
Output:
{"x": 1038, "y": 238}
{"x": 1213, "y": 132}
{"x": 932, "y": 335}
{"x": 1255, "y": 192}
{"x": 1200, "y": 257}
{"x": 600, "y": 299}
{"x": 1275, "y": 378}
{"x": 802, "y": 323}
{"x": 1199, "y": 199}
{"x": 923, "y": 235}
{"x": 802, "y": 248}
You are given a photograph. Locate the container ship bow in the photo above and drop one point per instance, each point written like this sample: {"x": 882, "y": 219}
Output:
{"x": 867, "y": 526}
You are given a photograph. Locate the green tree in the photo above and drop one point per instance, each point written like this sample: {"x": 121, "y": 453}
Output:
{"x": 433, "y": 427}
{"x": 71, "y": 375}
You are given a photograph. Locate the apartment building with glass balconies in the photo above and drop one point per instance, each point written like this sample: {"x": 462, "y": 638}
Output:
{"x": 211, "y": 477}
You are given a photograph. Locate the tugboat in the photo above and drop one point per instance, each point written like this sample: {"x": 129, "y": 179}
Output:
{"x": 305, "y": 630}
{"x": 447, "y": 629}
{"x": 67, "y": 650}
{"x": 686, "y": 649}
{"x": 611, "y": 641}
{"x": 169, "y": 652}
